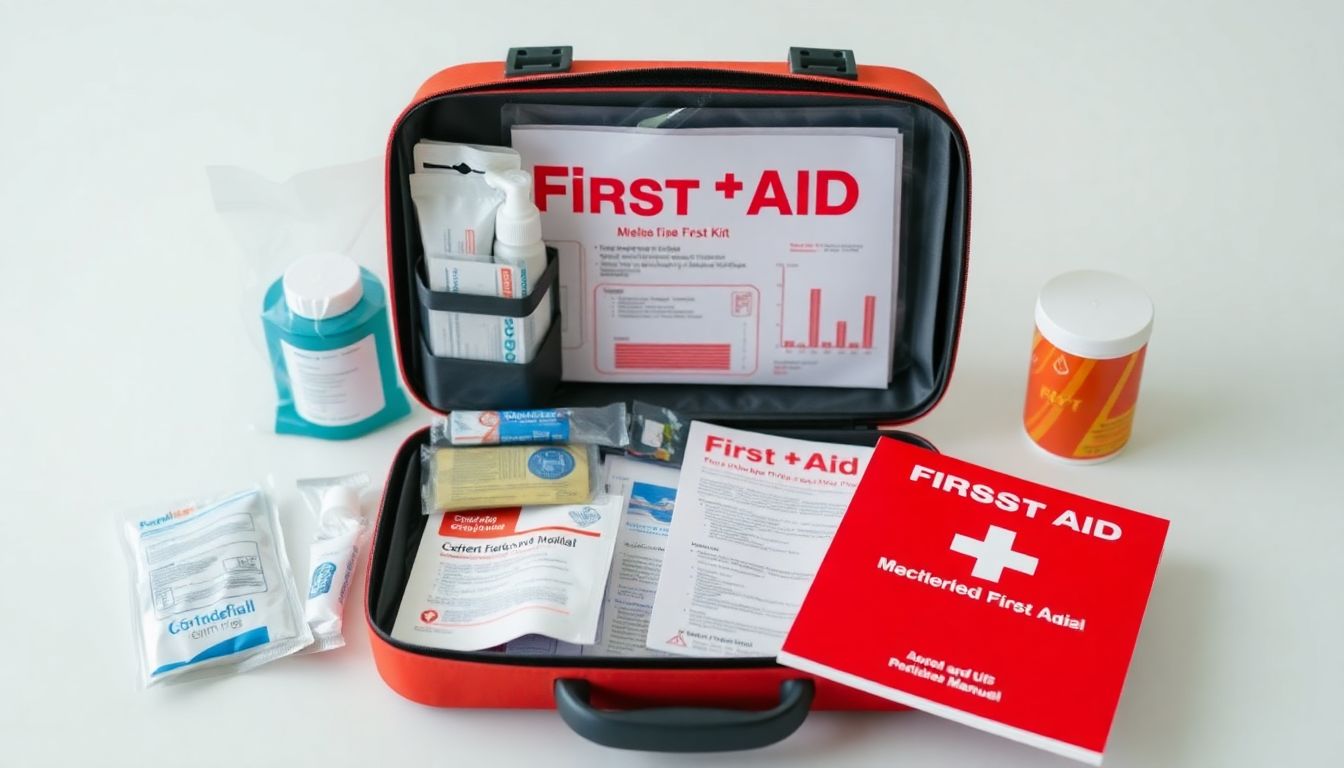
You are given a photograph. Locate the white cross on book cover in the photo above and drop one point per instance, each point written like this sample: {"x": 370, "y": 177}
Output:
{"x": 981, "y": 597}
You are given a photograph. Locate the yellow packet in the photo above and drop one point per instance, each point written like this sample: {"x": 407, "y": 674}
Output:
{"x": 506, "y": 476}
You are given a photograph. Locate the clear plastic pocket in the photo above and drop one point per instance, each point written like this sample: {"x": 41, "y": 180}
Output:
{"x": 886, "y": 120}
{"x": 802, "y": 310}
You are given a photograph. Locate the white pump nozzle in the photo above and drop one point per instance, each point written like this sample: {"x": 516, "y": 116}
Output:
{"x": 517, "y": 222}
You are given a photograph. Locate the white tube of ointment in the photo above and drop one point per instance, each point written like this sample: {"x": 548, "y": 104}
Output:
{"x": 335, "y": 501}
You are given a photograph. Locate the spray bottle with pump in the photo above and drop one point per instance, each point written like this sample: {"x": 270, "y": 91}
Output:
{"x": 518, "y": 226}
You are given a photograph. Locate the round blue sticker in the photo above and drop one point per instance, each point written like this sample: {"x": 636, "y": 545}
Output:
{"x": 550, "y": 463}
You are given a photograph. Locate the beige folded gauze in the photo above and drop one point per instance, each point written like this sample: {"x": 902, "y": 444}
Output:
{"x": 506, "y": 476}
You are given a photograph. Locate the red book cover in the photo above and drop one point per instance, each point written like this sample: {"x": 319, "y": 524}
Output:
{"x": 983, "y": 598}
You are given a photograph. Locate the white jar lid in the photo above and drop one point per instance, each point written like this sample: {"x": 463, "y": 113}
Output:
{"x": 1096, "y": 315}
{"x": 322, "y": 286}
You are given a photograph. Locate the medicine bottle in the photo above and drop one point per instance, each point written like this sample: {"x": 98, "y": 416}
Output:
{"x": 327, "y": 333}
{"x": 1092, "y": 331}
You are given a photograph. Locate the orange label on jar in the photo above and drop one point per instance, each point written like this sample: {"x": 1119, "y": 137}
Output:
{"x": 1080, "y": 408}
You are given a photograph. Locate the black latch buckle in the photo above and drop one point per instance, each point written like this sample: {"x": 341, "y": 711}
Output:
{"x": 538, "y": 60}
{"x": 828, "y": 62}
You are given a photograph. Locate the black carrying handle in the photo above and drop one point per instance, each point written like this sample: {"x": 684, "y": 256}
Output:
{"x": 683, "y": 729}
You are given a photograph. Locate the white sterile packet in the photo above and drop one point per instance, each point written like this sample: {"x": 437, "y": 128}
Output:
{"x": 484, "y": 577}
{"x": 212, "y": 590}
{"x": 337, "y": 505}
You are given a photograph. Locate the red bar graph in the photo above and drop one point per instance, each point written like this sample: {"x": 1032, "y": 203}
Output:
{"x": 673, "y": 357}
{"x": 843, "y": 338}
{"x": 869, "y": 311}
{"x": 814, "y": 318}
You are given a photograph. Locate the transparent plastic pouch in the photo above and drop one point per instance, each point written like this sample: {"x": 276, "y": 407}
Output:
{"x": 657, "y": 433}
{"x": 605, "y": 426}
{"x": 919, "y": 218}
{"x": 483, "y": 477}
{"x": 334, "y": 375}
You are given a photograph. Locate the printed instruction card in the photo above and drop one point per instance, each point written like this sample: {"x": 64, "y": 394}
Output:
{"x": 763, "y": 256}
{"x": 754, "y": 515}
{"x": 650, "y": 492}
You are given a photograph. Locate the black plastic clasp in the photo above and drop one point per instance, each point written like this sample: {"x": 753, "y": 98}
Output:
{"x": 828, "y": 62}
{"x": 538, "y": 60}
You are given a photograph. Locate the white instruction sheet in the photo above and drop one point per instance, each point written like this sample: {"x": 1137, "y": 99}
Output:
{"x": 761, "y": 256}
{"x": 650, "y": 491}
{"x": 484, "y": 577}
{"x": 753, "y": 519}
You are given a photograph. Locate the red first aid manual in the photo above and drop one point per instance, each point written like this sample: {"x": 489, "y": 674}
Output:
{"x": 983, "y": 598}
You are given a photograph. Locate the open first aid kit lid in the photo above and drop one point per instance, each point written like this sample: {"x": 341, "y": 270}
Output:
{"x": 833, "y": 201}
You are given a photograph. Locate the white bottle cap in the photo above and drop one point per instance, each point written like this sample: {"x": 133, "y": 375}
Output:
{"x": 340, "y": 497}
{"x": 517, "y": 222}
{"x": 322, "y": 286}
{"x": 1096, "y": 315}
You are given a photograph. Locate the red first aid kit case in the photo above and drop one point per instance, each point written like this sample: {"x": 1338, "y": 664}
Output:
{"x": 663, "y": 704}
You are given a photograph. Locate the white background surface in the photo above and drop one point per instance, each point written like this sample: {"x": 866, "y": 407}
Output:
{"x": 1193, "y": 146}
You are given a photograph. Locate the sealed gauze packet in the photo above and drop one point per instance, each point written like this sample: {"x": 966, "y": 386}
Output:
{"x": 212, "y": 592}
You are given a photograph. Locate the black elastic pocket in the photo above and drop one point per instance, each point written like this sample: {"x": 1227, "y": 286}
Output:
{"x": 454, "y": 384}
{"x": 444, "y": 301}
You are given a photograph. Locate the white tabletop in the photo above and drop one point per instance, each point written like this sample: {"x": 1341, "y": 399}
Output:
{"x": 1195, "y": 150}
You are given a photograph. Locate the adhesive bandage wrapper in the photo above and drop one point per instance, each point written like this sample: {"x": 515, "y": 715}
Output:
{"x": 211, "y": 586}
{"x": 332, "y": 557}
{"x": 605, "y": 425}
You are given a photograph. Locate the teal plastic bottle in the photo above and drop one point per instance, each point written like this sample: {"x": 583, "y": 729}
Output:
{"x": 330, "y": 345}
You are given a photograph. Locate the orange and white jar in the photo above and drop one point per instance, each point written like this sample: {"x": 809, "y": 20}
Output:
{"x": 1092, "y": 331}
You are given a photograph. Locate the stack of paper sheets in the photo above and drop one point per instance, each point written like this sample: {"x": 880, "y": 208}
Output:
{"x": 715, "y": 255}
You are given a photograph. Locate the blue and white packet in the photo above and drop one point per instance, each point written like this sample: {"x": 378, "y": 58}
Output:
{"x": 211, "y": 587}
{"x": 605, "y": 425}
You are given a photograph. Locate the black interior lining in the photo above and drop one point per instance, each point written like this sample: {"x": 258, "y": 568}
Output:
{"x": 402, "y": 524}
{"x": 932, "y": 264}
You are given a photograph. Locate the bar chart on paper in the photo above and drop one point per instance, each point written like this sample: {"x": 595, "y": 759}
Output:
{"x": 811, "y": 317}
